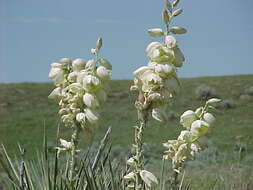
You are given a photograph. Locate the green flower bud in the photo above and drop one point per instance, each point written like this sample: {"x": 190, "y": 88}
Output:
{"x": 156, "y": 32}
{"x": 99, "y": 43}
{"x": 177, "y": 12}
{"x": 178, "y": 30}
{"x": 166, "y": 17}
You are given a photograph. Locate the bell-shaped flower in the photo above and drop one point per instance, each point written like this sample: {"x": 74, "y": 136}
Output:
{"x": 90, "y": 100}
{"x": 65, "y": 61}
{"x": 149, "y": 179}
{"x": 170, "y": 41}
{"x": 187, "y": 118}
{"x": 141, "y": 70}
{"x": 185, "y": 136}
{"x": 72, "y": 76}
{"x": 57, "y": 75}
{"x": 80, "y": 117}
{"x": 91, "y": 83}
{"x": 91, "y": 116}
{"x": 91, "y": 64}
{"x": 81, "y": 75}
{"x": 78, "y": 64}
{"x": 103, "y": 73}
{"x": 152, "y": 46}
{"x": 209, "y": 118}
{"x": 55, "y": 94}
{"x": 164, "y": 70}
{"x": 156, "y": 32}
{"x": 159, "y": 114}
{"x": 199, "y": 128}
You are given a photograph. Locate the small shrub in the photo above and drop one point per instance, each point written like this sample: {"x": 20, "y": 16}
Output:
{"x": 204, "y": 92}
{"x": 227, "y": 104}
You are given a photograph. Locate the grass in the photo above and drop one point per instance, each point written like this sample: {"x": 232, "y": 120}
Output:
{"x": 25, "y": 110}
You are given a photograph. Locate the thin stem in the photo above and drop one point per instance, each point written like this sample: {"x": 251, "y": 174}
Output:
{"x": 74, "y": 141}
{"x": 142, "y": 117}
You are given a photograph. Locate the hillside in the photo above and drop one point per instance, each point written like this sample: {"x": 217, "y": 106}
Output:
{"x": 25, "y": 110}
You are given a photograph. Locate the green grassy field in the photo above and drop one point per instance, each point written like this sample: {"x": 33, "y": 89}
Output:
{"x": 25, "y": 111}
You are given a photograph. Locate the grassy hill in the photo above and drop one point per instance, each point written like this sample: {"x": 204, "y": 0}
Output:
{"x": 25, "y": 111}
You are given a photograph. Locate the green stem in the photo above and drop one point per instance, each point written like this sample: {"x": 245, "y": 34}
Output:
{"x": 142, "y": 117}
{"x": 74, "y": 141}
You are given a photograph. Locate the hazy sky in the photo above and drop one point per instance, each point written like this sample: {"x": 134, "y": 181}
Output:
{"x": 35, "y": 33}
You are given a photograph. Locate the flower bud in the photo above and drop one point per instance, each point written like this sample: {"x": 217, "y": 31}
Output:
{"x": 213, "y": 101}
{"x": 178, "y": 30}
{"x": 65, "y": 61}
{"x": 166, "y": 17}
{"x": 156, "y": 32}
{"x": 91, "y": 116}
{"x": 187, "y": 118}
{"x": 55, "y": 94}
{"x": 99, "y": 43}
{"x": 103, "y": 73}
{"x": 93, "y": 51}
{"x": 78, "y": 64}
{"x": 141, "y": 70}
{"x": 90, "y": 100}
{"x": 177, "y": 12}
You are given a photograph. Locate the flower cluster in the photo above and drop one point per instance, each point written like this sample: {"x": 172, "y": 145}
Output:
{"x": 80, "y": 87}
{"x": 158, "y": 81}
{"x": 197, "y": 124}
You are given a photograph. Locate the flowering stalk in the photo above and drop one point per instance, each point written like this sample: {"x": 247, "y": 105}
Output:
{"x": 156, "y": 84}
{"x": 80, "y": 91}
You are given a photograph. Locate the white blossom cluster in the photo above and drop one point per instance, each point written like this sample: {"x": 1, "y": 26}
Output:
{"x": 197, "y": 125}
{"x": 158, "y": 80}
{"x": 80, "y": 88}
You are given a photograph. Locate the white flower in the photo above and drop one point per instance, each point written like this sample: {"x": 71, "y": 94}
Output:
{"x": 65, "y": 61}
{"x": 187, "y": 118}
{"x": 57, "y": 75}
{"x": 103, "y": 73}
{"x": 159, "y": 114}
{"x": 199, "y": 128}
{"x": 90, "y": 100}
{"x": 91, "y": 116}
{"x": 81, "y": 75}
{"x": 213, "y": 100}
{"x": 148, "y": 178}
{"x": 129, "y": 176}
{"x": 80, "y": 117}
{"x": 55, "y": 94}
{"x": 185, "y": 135}
{"x": 164, "y": 70}
{"x": 170, "y": 41}
{"x": 91, "y": 64}
{"x": 90, "y": 83}
{"x": 209, "y": 118}
{"x": 152, "y": 46}
{"x": 141, "y": 70}
{"x": 72, "y": 76}
{"x": 156, "y": 32}
{"x": 65, "y": 144}
{"x": 78, "y": 64}
{"x": 93, "y": 51}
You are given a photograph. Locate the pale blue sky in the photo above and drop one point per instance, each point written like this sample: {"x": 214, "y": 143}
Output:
{"x": 35, "y": 33}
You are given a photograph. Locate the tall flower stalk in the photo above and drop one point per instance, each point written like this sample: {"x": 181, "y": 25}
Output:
{"x": 80, "y": 92}
{"x": 156, "y": 84}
